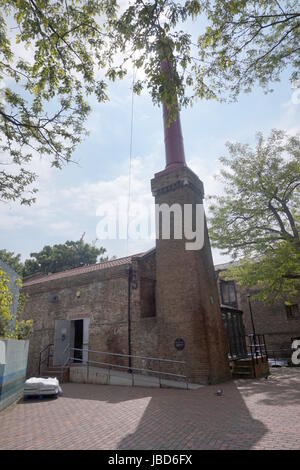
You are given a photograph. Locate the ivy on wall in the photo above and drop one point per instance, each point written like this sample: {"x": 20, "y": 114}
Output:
{"x": 22, "y": 329}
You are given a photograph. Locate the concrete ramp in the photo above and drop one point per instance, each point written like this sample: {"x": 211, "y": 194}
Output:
{"x": 96, "y": 375}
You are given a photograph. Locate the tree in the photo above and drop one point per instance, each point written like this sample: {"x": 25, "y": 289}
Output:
{"x": 243, "y": 42}
{"x": 5, "y": 303}
{"x": 14, "y": 261}
{"x": 78, "y": 46}
{"x": 43, "y": 98}
{"x": 60, "y": 257}
{"x": 258, "y": 217}
{"x": 8, "y": 329}
{"x": 247, "y": 42}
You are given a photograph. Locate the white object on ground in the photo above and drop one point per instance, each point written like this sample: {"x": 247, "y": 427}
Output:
{"x": 41, "y": 386}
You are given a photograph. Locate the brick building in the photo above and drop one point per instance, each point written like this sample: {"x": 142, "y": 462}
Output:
{"x": 93, "y": 302}
{"x": 278, "y": 322}
{"x": 91, "y": 306}
{"x": 163, "y": 303}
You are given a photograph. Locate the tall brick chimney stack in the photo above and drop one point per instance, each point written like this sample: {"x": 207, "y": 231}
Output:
{"x": 173, "y": 135}
{"x": 187, "y": 301}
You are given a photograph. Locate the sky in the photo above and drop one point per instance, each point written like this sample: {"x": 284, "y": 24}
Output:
{"x": 68, "y": 200}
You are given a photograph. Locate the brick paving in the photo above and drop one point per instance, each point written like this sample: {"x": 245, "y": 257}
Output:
{"x": 261, "y": 414}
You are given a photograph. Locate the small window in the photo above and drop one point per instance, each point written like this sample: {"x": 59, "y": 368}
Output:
{"x": 292, "y": 311}
{"x": 228, "y": 293}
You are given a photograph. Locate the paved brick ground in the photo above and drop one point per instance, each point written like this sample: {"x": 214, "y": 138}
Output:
{"x": 262, "y": 414}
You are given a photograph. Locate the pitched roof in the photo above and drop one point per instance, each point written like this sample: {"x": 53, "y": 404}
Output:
{"x": 41, "y": 278}
{"x": 81, "y": 270}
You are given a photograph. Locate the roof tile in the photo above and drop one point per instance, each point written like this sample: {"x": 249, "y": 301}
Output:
{"x": 81, "y": 270}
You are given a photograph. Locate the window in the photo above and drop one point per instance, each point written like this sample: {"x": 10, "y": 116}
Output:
{"x": 292, "y": 311}
{"x": 228, "y": 293}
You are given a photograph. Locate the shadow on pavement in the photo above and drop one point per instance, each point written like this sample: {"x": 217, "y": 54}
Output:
{"x": 282, "y": 388}
{"x": 179, "y": 419}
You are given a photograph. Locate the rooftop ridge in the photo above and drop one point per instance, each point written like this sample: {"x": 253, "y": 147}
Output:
{"x": 79, "y": 270}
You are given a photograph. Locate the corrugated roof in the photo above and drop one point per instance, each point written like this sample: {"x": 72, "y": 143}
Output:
{"x": 81, "y": 270}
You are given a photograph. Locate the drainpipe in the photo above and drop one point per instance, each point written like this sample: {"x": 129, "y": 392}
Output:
{"x": 129, "y": 271}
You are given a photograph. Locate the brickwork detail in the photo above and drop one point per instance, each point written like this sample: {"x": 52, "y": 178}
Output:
{"x": 187, "y": 303}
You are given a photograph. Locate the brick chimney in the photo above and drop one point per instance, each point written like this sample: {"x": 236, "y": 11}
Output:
{"x": 187, "y": 301}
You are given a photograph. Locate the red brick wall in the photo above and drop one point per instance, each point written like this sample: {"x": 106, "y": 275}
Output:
{"x": 187, "y": 301}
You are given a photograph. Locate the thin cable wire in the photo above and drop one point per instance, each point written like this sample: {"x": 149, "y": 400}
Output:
{"x": 130, "y": 160}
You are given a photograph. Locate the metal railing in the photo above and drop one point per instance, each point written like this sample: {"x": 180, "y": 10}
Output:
{"x": 280, "y": 357}
{"x": 131, "y": 369}
{"x": 256, "y": 345}
{"x": 45, "y": 355}
{"x": 66, "y": 354}
{"x": 254, "y": 348}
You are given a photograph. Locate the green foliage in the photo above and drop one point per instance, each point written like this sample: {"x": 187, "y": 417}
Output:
{"x": 276, "y": 276}
{"x": 258, "y": 217}
{"x": 247, "y": 42}
{"x": 5, "y": 303}
{"x": 23, "y": 328}
{"x": 60, "y": 257}
{"x": 243, "y": 42}
{"x": 14, "y": 261}
{"x": 146, "y": 34}
{"x": 71, "y": 49}
{"x": 43, "y": 105}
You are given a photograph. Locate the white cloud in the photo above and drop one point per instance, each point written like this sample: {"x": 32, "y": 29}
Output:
{"x": 9, "y": 220}
{"x": 66, "y": 213}
{"x": 211, "y": 185}
{"x": 86, "y": 197}
{"x": 66, "y": 227}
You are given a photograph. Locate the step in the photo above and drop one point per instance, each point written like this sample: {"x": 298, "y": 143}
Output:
{"x": 51, "y": 372}
{"x": 242, "y": 365}
{"x": 246, "y": 372}
{"x": 57, "y": 367}
{"x": 62, "y": 375}
{"x": 246, "y": 363}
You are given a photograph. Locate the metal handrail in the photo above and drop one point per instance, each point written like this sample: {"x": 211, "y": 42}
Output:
{"x": 258, "y": 345}
{"x": 280, "y": 354}
{"x": 128, "y": 355}
{"x": 126, "y": 367}
{"x": 41, "y": 361}
{"x": 116, "y": 366}
{"x": 46, "y": 347}
{"x": 140, "y": 369}
{"x": 257, "y": 349}
{"x": 66, "y": 361}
